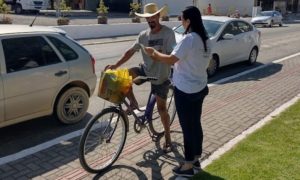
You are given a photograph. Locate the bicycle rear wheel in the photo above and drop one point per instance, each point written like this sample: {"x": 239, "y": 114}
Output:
{"x": 103, "y": 140}
{"x": 155, "y": 124}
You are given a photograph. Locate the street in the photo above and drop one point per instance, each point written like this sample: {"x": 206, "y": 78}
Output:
{"x": 277, "y": 43}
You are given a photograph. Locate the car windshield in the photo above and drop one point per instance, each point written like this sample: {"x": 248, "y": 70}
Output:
{"x": 265, "y": 13}
{"x": 211, "y": 27}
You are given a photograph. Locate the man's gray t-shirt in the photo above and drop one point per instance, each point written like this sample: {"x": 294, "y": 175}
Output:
{"x": 163, "y": 41}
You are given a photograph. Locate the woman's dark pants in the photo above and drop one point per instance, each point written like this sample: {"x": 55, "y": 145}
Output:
{"x": 189, "y": 109}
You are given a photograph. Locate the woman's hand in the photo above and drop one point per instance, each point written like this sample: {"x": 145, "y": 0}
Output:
{"x": 149, "y": 50}
{"x": 110, "y": 67}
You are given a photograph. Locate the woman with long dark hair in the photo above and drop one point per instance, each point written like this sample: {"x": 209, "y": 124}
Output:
{"x": 190, "y": 58}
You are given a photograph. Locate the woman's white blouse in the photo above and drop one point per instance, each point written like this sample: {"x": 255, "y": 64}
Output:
{"x": 190, "y": 74}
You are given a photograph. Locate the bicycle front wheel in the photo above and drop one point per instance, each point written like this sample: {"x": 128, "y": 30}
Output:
{"x": 155, "y": 124}
{"x": 102, "y": 140}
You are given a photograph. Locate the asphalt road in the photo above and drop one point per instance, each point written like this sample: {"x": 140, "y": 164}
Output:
{"x": 276, "y": 43}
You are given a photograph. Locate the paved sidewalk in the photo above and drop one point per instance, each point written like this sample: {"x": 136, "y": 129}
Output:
{"x": 230, "y": 108}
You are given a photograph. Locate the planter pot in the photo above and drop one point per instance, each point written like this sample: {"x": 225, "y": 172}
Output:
{"x": 6, "y": 20}
{"x": 165, "y": 18}
{"x": 102, "y": 19}
{"x": 63, "y": 21}
{"x": 136, "y": 20}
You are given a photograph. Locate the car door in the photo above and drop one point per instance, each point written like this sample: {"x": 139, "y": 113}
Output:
{"x": 279, "y": 17}
{"x": 276, "y": 17}
{"x": 246, "y": 40}
{"x": 34, "y": 72}
{"x": 228, "y": 49}
{"x": 2, "y": 65}
{"x": 1, "y": 97}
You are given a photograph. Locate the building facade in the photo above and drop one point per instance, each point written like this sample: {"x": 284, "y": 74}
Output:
{"x": 224, "y": 7}
{"x": 227, "y": 7}
{"x": 284, "y": 6}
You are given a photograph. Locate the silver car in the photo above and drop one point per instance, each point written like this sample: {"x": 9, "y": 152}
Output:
{"x": 43, "y": 72}
{"x": 233, "y": 40}
{"x": 267, "y": 18}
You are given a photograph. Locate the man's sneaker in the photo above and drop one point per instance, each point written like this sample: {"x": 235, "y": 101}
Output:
{"x": 183, "y": 173}
{"x": 197, "y": 166}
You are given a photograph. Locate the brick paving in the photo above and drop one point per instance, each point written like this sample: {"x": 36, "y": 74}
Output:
{"x": 229, "y": 109}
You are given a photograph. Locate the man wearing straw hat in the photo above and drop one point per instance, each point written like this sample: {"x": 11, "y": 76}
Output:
{"x": 162, "y": 39}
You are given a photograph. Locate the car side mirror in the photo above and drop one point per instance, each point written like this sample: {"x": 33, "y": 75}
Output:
{"x": 228, "y": 36}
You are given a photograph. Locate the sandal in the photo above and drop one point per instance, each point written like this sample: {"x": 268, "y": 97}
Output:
{"x": 167, "y": 148}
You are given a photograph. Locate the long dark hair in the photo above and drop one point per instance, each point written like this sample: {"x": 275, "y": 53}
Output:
{"x": 196, "y": 24}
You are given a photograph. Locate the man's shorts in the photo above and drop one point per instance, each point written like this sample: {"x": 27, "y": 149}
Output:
{"x": 160, "y": 90}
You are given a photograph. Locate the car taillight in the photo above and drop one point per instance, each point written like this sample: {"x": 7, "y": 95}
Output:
{"x": 93, "y": 63}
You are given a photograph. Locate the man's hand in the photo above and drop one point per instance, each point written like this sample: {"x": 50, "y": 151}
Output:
{"x": 110, "y": 67}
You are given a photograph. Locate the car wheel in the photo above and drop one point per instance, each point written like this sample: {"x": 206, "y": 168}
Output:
{"x": 18, "y": 9}
{"x": 72, "y": 105}
{"x": 253, "y": 56}
{"x": 271, "y": 23}
{"x": 212, "y": 66}
{"x": 280, "y": 24}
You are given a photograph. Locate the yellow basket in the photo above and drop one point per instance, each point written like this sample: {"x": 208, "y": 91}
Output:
{"x": 114, "y": 85}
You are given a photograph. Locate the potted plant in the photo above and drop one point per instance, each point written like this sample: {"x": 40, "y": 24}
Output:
{"x": 135, "y": 7}
{"x": 165, "y": 16}
{"x": 63, "y": 20}
{"x": 4, "y": 10}
{"x": 102, "y": 13}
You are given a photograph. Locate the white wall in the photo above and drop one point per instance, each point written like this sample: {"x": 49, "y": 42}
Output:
{"x": 108, "y": 30}
{"x": 224, "y": 7}
{"x": 175, "y": 6}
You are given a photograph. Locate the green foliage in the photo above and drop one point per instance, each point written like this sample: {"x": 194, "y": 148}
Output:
{"x": 102, "y": 8}
{"x": 271, "y": 152}
{"x": 63, "y": 7}
{"x": 167, "y": 9}
{"x": 3, "y": 7}
{"x": 135, "y": 7}
{"x": 4, "y": 10}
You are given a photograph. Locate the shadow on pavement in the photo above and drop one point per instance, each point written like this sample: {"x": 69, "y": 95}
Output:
{"x": 118, "y": 169}
{"x": 259, "y": 74}
{"x": 18, "y": 137}
{"x": 203, "y": 175}
{"x": 256, "y": 75}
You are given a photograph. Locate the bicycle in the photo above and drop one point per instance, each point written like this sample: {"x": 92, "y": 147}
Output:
{"x": 104, "y": 136}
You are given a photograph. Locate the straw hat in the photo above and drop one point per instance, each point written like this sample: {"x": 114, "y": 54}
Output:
{"x": 151, "y": 9}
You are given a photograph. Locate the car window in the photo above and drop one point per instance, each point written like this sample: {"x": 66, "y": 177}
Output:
{"x": 231, "y": 28}
{"x": 180, "y": 29}
{"x": 244, "y": 27}
{"x": 265, "y": 13}
{"x": 211, "y": 27}
{"x": 21, "y": 55}
{"x": 67, "y": 52}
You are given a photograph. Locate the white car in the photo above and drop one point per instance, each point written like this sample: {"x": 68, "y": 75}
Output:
{"x": 233, "y": 40}
{"x": 43, "y": 71}
{"x": 267, "y": 18}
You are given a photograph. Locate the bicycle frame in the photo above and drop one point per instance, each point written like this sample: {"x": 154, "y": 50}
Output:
{"x": 147, "y": 115}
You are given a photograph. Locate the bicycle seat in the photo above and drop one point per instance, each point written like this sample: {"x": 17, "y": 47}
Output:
{"x": 142, "y": 79}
